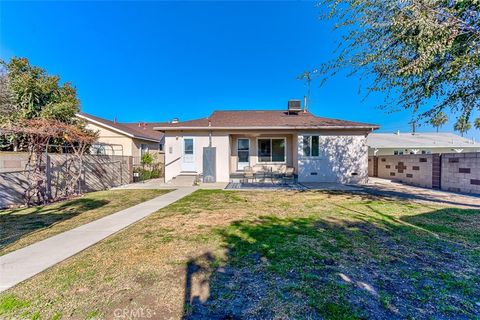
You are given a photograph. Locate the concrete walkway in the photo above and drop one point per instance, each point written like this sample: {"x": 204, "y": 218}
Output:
{"x": 24, "y": 263}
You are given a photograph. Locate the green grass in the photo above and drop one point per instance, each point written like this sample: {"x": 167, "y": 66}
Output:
{"x": 296, "y": 255}
{"x": 24, "y": 226}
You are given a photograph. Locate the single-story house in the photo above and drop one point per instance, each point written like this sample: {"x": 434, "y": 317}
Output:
{"x": 127, "y": 139}
{"x": 382, "y": 144}
{"x": 319, "y": 149}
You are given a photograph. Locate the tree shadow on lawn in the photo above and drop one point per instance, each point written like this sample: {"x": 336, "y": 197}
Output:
{"x": 335, "y": 268}
{"x": 15, "y": 225}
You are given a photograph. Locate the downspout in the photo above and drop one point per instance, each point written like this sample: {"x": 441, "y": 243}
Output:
{"x": 209, "y": 134}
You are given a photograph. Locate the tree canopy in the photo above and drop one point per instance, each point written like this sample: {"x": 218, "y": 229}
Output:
{"x": 424, "y": 54}
{"x": 439, "y": 120}
{"x": 28, "y": 92}
{"x": 462, "y": 125}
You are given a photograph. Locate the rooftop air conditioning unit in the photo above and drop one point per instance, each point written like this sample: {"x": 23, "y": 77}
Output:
{"x": 294, "y": 106}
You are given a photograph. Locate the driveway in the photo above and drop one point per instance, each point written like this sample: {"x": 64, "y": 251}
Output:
{"x": 384, "y": 187}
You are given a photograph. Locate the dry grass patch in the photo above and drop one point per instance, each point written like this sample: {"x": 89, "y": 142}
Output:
{"x": 24, "y": 226}
{"x": 225, "y": 255}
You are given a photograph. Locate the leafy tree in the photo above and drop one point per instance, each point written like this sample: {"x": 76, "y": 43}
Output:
{"x": 438, "y": 120}
{"x": 462, "y": 125}
{"x": 417, "y": 51}
{"x": 32, "y": 93}
{"x": 28, "y": 92}
{"x": 477, "y": 123}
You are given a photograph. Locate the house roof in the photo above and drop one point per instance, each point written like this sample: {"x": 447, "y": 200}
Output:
{"x": 419, "y": 140}
{"x": 138, "y": 130}
{"x": 264, "y": 119}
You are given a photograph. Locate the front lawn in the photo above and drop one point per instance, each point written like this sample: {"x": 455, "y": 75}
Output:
{"x": 24, "y": 226}
{"x": 262, "y": 255}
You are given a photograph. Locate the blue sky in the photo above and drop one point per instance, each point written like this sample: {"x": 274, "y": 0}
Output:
{"x": 152, "y": 61}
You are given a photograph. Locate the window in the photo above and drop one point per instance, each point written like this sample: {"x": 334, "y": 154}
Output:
{"x": 243, "y": 148}
{"x": 271, "y": 150}
{"x": 311, "y": 146}
{"x": 143, "y": 149}
{"x": 188, "y": 146}
{"x": 161, "y": 144}
{"x": 397, "y": 152}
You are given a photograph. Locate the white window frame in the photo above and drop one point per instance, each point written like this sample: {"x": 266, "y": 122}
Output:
{"x": 284, "y": 150}
{"x": 303, "y": 149}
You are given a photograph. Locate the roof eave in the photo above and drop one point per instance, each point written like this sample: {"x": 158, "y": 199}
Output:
{"x": 130, "y": 135}
{"x": 369, "y": 127}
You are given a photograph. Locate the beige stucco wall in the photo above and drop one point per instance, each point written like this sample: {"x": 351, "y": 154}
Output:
{"x": 344, "y": 158}
{"x": 111, "y": 137}
{"x": 173, "y": 153}
{"x": 130, "y": 146}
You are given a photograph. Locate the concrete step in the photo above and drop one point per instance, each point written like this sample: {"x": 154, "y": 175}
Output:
{"x": 183, "y": 180}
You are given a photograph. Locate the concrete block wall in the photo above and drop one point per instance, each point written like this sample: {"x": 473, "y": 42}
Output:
{"x": 456, "y": 172}
{"x": 409, "y": 169}
{"x": 461, "y": 172}
{"x": 13, "y": 161}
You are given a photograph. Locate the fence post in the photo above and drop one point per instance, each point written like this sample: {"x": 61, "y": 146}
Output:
{"x": 48, "y": 176}
{"x": 436, "y": 171}
{"x": 130, "y": 169}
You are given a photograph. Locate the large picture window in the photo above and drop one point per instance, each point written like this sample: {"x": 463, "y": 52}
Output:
{"x": 311, "y": 146}
{"x": 271, "y": 150}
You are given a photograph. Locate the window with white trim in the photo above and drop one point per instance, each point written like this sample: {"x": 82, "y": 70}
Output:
{"x": 311, "y": 146}
{"x": 271, "y": 150}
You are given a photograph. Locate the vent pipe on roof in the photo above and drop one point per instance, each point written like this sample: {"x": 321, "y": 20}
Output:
{"x": 304, "y": 104}
{"x": 398, "y": 132}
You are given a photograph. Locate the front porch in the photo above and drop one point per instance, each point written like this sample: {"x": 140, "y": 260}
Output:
{"x": 267, "y": 154}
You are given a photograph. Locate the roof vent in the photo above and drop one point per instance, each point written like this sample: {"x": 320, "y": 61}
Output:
{"x": 294, "y": 106}
{"x": 175, "y": 120}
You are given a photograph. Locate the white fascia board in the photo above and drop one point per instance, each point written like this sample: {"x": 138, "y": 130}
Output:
{"x": 115, "y": 129}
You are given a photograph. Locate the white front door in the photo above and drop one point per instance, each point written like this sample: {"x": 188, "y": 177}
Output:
{"x": 188, "y": 155}
{"x": 243, "y": 150}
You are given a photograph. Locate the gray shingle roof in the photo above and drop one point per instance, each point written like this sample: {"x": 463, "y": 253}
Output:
{"x": 425, "y": 140}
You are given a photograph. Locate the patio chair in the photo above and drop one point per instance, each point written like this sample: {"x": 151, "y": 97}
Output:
{"x": 279, "y": 173}
{"x": 248, "y": 174}
{"x": 289, "y": 174}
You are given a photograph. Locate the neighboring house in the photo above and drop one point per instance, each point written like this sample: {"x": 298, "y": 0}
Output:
{"x": 320, "y": 149}
{"x": 128, "y": 139}
{"x": 381, "y": 144}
